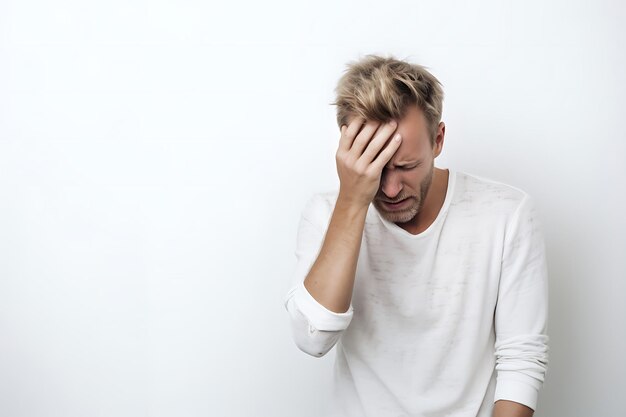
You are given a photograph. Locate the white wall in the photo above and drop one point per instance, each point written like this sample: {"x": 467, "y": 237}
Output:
{"x": 154, "y": 158}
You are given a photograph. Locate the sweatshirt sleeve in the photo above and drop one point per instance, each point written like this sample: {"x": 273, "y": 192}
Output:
{"x": 315, "y": 329}
{"x": 521, "y": 313}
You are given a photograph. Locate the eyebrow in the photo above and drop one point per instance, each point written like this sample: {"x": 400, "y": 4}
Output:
{"x": 401, "y": 164}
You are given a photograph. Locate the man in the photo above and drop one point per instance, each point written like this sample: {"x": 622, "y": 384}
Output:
{"x": 432, "y": 283}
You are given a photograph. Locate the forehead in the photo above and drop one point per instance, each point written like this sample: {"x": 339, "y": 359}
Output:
{"x": 415, "y": 141}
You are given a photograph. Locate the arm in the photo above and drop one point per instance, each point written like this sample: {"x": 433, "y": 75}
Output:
{"x": 319, "y": 320}
{"x": 505, "y": 408}
{"x": 315, "y": 328}
{"x": 521, "y": 312}
{"x": 331, "y": 278}
{"x": 320, "y": 302}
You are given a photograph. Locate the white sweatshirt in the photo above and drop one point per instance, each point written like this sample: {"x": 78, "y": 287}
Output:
{"x": 442, "y": 323}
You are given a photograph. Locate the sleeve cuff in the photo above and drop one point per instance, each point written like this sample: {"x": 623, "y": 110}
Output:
{"x": 318, "y": 315}
{"x": 517, "y": 391}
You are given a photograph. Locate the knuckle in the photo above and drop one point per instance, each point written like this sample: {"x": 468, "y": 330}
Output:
{"x": 372, "y": 172}
{"x": 343, "y": 156}
{"x": 360, "y": 170}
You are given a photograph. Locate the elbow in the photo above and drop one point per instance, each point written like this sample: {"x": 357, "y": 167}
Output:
{"x": 314, "y": 342}
{"x": 314, "y": 351}
{"x": 524, "y": 354}
{"x": 521, "y": 363}
{"x": 318, "y": 330}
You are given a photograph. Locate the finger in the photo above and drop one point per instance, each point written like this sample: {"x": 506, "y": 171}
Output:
{"x": 348, "y": 133}
{"x": 380, "y": 139}
{"x": 387, "y": 153}
{"x": 363, "y": 138}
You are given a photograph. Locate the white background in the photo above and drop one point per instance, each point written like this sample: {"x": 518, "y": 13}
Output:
{"x": 155, "y": 156}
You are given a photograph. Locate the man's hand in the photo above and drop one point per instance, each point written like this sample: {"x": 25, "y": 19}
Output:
{"x": 360, "y": 160}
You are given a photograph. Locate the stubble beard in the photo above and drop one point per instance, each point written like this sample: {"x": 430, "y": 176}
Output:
{"x": 407, "y": 214}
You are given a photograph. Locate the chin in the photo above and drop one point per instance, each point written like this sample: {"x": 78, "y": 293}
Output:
{"x": 400, "y": 216}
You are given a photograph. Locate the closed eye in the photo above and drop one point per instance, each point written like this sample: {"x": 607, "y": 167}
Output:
{"x": 407, "y": 168}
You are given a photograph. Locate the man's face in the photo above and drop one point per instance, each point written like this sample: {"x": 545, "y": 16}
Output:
{"x": 408, "y": 175}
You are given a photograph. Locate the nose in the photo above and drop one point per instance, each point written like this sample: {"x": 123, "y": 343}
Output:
{"x": 390, "y": 182}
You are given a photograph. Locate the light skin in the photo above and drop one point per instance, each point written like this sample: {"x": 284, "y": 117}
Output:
{"x": 505, "y": 408}
{"x": 410, "y": 174}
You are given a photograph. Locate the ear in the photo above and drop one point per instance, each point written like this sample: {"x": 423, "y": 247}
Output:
{"x": 438, "y": 145}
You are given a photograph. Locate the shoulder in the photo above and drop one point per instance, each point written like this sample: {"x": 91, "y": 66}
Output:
{"x": 486, "y": 195}
{"x": 319, "y": 206}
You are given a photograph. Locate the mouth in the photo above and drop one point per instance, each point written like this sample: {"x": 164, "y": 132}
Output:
{"x": 395, "y": 206}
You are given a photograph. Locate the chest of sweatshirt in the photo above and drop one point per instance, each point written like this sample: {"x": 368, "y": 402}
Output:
{"x": 447, "y": 277}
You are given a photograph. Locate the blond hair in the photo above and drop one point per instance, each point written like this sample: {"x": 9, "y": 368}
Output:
{"x": 382, "y": 88}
